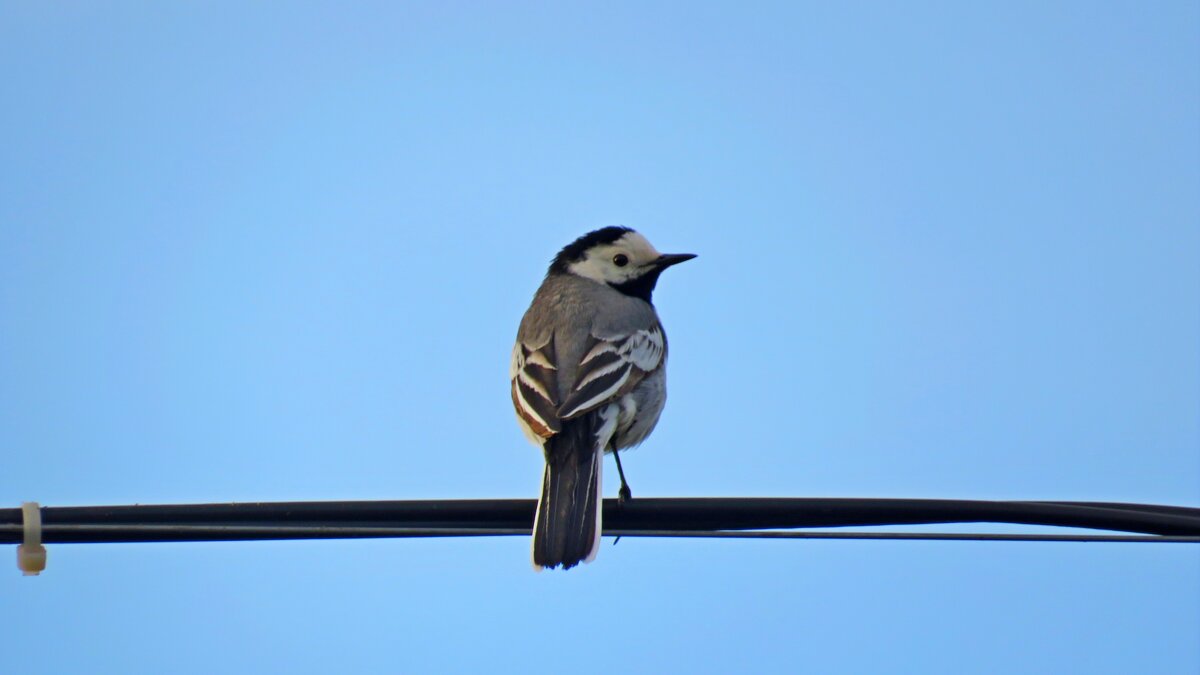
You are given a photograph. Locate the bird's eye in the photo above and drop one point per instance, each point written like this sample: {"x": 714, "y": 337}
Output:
{"x": 620, "y": 260}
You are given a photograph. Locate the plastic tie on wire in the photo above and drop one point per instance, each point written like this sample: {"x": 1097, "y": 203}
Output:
{"x": 31, "y": 555}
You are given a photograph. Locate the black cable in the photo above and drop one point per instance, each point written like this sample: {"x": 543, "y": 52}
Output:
{"x": 921, "y": 536}
{"x": 131, "y": 533}
{"x": 639, "y": 517}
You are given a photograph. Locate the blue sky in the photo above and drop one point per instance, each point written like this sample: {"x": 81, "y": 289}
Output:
{"x": 256, "y": 253}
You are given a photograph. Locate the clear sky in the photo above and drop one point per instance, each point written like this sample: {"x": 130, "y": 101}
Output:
{"x": 257, "y": 252}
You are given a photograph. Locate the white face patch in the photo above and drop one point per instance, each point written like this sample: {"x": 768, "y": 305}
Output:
{"x": 600, "y": 262}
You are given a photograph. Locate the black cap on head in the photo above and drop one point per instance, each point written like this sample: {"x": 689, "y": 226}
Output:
{"x": 574, "y": 251}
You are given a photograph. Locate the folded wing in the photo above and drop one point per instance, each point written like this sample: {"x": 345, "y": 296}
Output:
{"x": 612, "y": 366}
{"x": 534, "y": 389}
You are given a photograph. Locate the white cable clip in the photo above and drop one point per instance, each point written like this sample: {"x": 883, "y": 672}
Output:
{"x": 31, "y": 555}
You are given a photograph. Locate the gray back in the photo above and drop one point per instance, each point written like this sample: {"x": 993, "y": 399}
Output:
{"x": 574, "y": 309}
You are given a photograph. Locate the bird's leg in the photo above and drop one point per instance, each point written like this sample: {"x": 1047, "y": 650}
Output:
{"x": 625, "y": 493}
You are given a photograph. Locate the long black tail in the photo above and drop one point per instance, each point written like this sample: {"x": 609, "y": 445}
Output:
{"x": 566, "y": 530}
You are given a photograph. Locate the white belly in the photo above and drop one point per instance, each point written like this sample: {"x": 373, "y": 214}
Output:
{"x": 640, "y": 409}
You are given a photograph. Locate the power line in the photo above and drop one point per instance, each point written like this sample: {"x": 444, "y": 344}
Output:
{"x": 644, "y": 517}
{"x": 921, "y": 536}
{"x": 144, "y": 533}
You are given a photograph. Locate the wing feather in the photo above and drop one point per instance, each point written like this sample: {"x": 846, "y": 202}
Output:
{"x": 533, "y": 387}
{"x": 612, "y": 366}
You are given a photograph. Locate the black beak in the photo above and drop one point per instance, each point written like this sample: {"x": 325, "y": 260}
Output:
{"x": 667, "y": 259}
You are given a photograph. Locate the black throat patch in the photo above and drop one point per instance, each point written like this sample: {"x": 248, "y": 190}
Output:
{"x": 641, "y": 287}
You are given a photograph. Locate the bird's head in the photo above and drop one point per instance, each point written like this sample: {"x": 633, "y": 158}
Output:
{"x": 618, "y": 257}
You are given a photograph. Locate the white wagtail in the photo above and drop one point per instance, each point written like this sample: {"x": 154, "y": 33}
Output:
{"x": 588, "y": 377}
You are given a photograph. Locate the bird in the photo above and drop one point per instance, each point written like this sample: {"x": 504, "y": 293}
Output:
{"x": 588, "y": 376}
